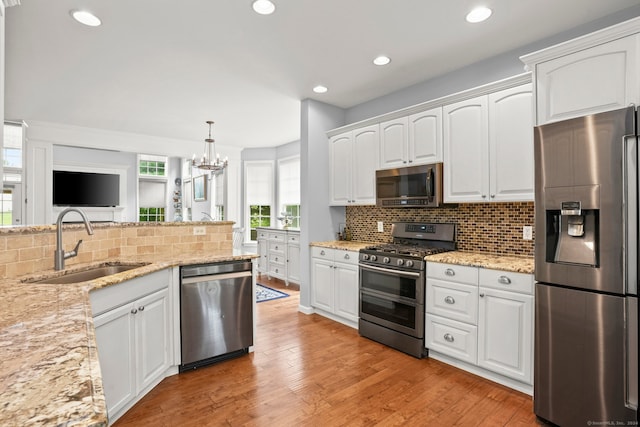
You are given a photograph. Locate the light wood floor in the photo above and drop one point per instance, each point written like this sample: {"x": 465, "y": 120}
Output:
{"x": 311, "y": 371}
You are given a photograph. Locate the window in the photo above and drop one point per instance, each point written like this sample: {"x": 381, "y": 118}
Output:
{"x": 152, "y": 165}
{"x": 289, "y": 189}
{"x": 219, "y": 196}
{"x": 152, "y": 188}
{"x": 12, "y": 151}
{"x": 12, "y": 148}
{"x": 259, "y": 180}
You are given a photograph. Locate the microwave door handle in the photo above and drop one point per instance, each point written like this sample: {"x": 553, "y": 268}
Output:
{"x": 429, "y": 183}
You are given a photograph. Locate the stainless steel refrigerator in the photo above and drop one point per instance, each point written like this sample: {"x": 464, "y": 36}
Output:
{"x": 586, "y": 257}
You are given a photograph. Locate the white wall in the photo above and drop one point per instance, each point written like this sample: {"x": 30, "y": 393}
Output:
{"x": 319, "y": 221}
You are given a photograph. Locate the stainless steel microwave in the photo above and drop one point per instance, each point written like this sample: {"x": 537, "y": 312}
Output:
{"x": 415, "y": 186}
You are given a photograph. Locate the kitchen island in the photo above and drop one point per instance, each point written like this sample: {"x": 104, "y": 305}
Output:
{"x": 49, "y": 368}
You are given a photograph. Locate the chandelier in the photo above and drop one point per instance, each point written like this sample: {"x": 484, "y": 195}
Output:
{"x": 210, "y": 160}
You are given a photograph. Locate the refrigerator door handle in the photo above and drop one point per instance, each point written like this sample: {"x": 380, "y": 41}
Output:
{"x": 631, "y": 353}
{"x": 630, "y": 200}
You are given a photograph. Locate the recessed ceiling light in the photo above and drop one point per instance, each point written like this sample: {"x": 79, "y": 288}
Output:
{"x": 264, "y": 7}
{"x": 320, "y": 89}
{"x": 382, "y": 60}
{"x": 86, "y": 18}
{"x": 479, "y": 14}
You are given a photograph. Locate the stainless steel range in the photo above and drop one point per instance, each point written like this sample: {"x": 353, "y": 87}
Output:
{"x": 392, "y": 284}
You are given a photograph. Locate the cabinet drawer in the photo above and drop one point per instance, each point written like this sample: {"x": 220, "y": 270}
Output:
{"x": 277, "y": 247}
{"x": 277, "y": 258}
{"x": 453, "y": 273}
{"x": 322, "y": 253}
{"x": 293, "y": 239}
{"x": 507, "y": 281}
{"x": 277, "y": 237}
{"x": 277, "y": 270}
{"x": 453, "y": 338}
{"x": 346, "y": 257}
{"x": 452, "y": 300}
{"x": 263, "y": 235}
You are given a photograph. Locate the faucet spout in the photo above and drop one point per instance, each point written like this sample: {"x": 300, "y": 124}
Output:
{"x": 60, "y": 255}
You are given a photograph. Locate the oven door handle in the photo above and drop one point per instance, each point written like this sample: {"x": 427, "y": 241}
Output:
{"x": 390, "y": 271}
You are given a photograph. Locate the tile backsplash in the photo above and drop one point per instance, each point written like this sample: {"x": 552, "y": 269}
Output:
{"x": 481, "y": 227}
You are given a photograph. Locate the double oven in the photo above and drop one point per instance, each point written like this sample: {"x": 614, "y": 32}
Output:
{"x": 392, "y": 284}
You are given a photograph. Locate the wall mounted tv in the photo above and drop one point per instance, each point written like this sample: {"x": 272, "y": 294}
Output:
{"x": 85, "y": 189}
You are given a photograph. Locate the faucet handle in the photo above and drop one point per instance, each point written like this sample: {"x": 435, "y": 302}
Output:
{"x": 73, "y": 252}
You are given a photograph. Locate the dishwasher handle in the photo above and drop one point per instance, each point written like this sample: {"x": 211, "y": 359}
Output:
{"x": 208, "y": 278}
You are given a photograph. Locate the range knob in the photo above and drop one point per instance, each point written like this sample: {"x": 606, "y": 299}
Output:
{"x": 365, "y": 257}
{"x": 400, "y": 261}
{"x": 386, "y": 260}
{"x": 409, "y": 263}
{"x": 373, "y": 257}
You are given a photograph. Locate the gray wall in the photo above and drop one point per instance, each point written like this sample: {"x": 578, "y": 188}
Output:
{"x": 319, "y": 221}
{"x": 496, "y": 68}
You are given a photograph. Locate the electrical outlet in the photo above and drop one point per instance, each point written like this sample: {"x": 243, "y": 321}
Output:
{"x": 380, "y": 226}
{"x": 199, "y": 231}
{"x": 527, "y": 232}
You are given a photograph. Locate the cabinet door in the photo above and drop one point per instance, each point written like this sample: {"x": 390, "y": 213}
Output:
{"x": 152, "y": 337}
{"x": 466, "y": 151}
{"x": 322, "y": 282}
{"x": 511, "y": 144}
{"x": 293, "y": 263}
{"x": 505, "y": 339}
{"x": 116, "y": 347}
{"x": 340, "y": 152}
{"x": 394, "y": 137}
{"x": 346, "y": 291}
{"x": 263, "y": 255}
{"x": 365, "y": 162}
{"x": 601, "y": 78}
{"x": 425, "y": 137}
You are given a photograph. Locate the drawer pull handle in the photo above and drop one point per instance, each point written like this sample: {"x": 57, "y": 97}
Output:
{"x": 449, "y": 300}
{"x": 346, "y": 256}
{"x": 141, "y": 308}
{"x": 449, "y": 338}
{"x": 504, "y": 280}
{"x": 322, "y": 253}
{"x": 134, "y": 311}
{"x": 449, "y": 272}
{"x": 481, "y": 295}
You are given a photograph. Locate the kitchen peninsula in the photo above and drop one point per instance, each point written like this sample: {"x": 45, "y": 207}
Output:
{"x": 49, "y": 367}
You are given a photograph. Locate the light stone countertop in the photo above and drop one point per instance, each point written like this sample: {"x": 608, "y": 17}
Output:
{"x": 515, "y": 264}
{"x": 49, "y": 369}
{"x": 346, "y": 245}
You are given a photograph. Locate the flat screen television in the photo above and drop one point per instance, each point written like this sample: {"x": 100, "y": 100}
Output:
{"x": 85, "y": 189}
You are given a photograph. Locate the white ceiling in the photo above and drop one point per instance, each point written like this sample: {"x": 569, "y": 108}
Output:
{"x": 163, "y": 68}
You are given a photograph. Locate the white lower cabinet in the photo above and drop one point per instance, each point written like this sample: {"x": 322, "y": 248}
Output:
{"x": 483, "y": 318}
{"x": 279, "y": 254}
{"x": 334, "y": 284}
{"x": 133, "y": 326}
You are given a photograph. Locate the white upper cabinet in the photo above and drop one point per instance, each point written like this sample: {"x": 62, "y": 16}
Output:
{"x": 590, "y": 74}
{"x": 412, "y": 140}
{"x": 511, "y": 144}
{"x": 466, "y": 151}
{"x": 488, "y": 147}
{"x": 353, "y": 162}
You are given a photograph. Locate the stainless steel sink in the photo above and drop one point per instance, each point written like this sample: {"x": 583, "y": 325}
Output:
{"x": 90, "y": 274}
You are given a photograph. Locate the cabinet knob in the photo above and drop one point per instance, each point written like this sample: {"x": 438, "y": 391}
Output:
{"x": 484, "y": 196}
{"x": 134, "y": 311}
{"x": 449, "y": 300}
{"x": 449, "y": 272}
{"x": 448, "y": 337}
{"x": 346, "y": 256}
{"x": 410, "y": 161}
{"x": 481, "y": 295}
{"x": 504, "y": 280}
{"x": 141, "y": 308}
{"x": 493, "y": 196}
{"x": 322, "y": 253}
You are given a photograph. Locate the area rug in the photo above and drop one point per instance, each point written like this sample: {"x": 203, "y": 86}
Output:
{"x": 264, "y": 293}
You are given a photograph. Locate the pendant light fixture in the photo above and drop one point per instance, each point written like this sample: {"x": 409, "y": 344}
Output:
{"x": 210, "y": 160}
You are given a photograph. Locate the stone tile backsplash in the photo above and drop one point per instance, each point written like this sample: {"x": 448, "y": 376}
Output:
{"x": 494, "y": 228}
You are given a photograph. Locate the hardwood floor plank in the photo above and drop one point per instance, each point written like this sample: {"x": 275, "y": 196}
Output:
{"x": 311, "y": 371}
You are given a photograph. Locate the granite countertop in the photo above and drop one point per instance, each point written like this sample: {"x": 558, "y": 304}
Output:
{"x": 346, "y": 245}
{"x": 515, "y": 264}
{"x": 49, "y": 369}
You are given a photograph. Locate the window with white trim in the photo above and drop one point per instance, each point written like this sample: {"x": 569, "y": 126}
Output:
{"x": 289, "y": 189}
{"x": 152, "y": 188}
{"x": 259, "y": 195}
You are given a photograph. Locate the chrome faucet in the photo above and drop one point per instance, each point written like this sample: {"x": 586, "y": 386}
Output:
{"x": 60, "y": 254}
{"x": 206, "y": 215}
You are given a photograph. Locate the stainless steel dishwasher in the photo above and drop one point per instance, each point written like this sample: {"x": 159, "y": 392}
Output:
{"x": 216, "y": 312}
